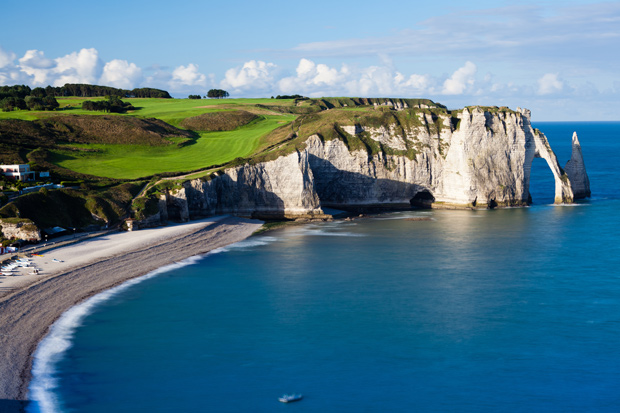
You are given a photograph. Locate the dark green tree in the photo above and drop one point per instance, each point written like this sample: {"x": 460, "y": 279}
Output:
{"x": 38, "y": 92}
{"x": 50, "y": 103}
{"x": 34, "y": 103}
{"x": 11, "y": 103}
{"x": 217, "y": 94}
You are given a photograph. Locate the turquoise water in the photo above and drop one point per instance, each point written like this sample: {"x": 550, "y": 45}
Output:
{"x": 472, "y": 311}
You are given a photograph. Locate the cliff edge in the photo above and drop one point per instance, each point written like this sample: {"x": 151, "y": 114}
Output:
{"x": 476, "y": 157}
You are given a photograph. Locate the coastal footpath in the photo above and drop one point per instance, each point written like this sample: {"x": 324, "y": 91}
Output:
{"x": 87, "y": 268}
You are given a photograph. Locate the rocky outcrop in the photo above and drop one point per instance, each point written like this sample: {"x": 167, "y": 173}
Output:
{"x": 479, "y": 159}
{"x": 576, "y": 171}
{"x": 24, "y": 229}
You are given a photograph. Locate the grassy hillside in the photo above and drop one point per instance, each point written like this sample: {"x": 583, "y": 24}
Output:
{"x": 135, "y": 161}
{"x": 219, "y": 121}
{"x": 146, "y": 141}
{"x": 164, "y": 136}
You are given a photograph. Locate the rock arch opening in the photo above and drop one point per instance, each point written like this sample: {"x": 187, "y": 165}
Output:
{"x": 422, "y": 199}
{"x": 541, "y": 183}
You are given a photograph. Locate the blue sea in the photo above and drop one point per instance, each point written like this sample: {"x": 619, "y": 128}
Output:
{"x": 514, "y": 310}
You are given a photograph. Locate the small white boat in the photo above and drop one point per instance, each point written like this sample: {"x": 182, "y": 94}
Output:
{"x": 57, "y": 260}
{"x": 287, "y": 398}
{"x": 10, "y": 273}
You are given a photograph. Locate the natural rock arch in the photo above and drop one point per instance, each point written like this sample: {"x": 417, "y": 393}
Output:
{"x": 571, "y": 182}
{"x": 542, "y": 149}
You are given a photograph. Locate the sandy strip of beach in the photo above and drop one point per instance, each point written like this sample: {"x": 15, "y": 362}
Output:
{"x": 73, "y": 273}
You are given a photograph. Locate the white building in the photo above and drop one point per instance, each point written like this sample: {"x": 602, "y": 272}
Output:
{"x": 17, "y": 172}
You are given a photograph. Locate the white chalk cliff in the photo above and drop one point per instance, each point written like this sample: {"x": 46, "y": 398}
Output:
{"x": 576, "y": 171}
{"x": 483, "y": 161}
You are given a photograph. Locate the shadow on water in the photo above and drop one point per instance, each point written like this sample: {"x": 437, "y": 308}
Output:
{"x": 13, "y": 406}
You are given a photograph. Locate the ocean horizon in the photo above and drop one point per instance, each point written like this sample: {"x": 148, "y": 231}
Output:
{"x": 471, "y": 311}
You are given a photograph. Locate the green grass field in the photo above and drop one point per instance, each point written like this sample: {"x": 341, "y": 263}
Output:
{"x": 135, "y": 161}
{"x": 168, "y": 110}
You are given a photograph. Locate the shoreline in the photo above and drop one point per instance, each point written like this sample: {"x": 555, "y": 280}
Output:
{"x": 96, "y": 265}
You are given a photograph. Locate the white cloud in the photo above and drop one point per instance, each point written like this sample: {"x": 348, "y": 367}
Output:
{"x": 188, "y": 76}
{"x": 305, "y": 68}
{"x": 36, "y": 59}
{"x": 374, "y": 81}
{"x": 416, "y": 83}
{"x": 77, "y": 67}
{"x": 314, "y": 80}
{"x": 10, "y": 74}
{"x": 34, "y": 63}
{"x": 85, "y": 66}
{"x": 12, "y": 77}
{"x": 121, "y": 74}
{"x": 255, "y": 74}
{"x": 6, "y": 58}
{"x": 461, "y": 80}
{"x": 157, "y": 77}
{"x": 549, "y": 84}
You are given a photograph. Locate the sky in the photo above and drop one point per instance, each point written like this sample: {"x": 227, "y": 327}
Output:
{"x": 560, "y": 59}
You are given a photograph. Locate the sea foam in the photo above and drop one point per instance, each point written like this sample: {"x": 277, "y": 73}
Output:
{"x": 245, "y": 244}
{"x": 324, "y": 233}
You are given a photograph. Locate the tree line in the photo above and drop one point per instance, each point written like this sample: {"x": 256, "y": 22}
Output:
{"x": 80, "y": 90}
{"x": 22, "y": 98}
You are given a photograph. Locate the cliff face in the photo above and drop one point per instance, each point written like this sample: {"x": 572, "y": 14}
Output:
{"x": 480, "y": 159}
{"x": 280, "y": 188}
{"x": 490, "y": 159}
{"x": 19, "y": 229}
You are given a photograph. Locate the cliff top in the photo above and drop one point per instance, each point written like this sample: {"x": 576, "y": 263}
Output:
{"x": 180, "y": 136}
